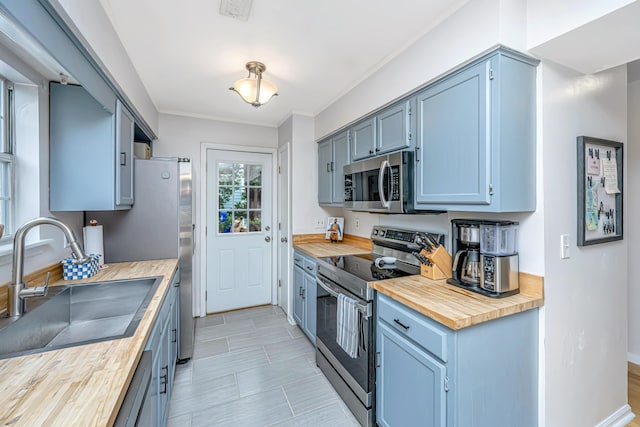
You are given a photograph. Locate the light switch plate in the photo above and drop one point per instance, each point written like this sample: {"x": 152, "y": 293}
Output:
{"x": 564, "y": 246}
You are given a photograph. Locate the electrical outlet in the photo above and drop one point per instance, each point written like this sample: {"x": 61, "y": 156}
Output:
{"x": 319, "y": 222}
{"x": 564, "y": 246}
{"x": 357, "y": 224}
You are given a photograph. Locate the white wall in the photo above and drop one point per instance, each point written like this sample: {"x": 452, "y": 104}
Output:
{"x": 95, "y": 27}
{"x": 587, "y": 36}
{"x": 632, "y": 229}
{"x": 585, "y": 296}
{"x": 548, "y": 19}
{"x": 182, "y": 136}
{"x": 476, "y": 27}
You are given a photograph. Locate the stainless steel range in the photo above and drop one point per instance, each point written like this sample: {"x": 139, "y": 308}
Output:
{"x": 392, "y": 256}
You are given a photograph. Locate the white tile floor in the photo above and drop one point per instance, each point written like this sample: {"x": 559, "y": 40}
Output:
{"x": 252, "y": 368}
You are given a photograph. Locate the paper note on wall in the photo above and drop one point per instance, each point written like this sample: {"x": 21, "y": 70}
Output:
{"x": 593, "y": 166}
{"x": 610, "y": 172}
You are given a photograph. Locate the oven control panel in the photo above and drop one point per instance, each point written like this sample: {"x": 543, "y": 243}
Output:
{"x": 395, "y": 236}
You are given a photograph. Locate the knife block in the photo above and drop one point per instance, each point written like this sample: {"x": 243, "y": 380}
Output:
{"x": 441, "y": 264}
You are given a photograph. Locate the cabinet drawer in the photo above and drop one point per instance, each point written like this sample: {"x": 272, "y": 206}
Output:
{"x": 425, "y": 332}
{"x": 298, "y": 259}
{"x": 310, "y": 266}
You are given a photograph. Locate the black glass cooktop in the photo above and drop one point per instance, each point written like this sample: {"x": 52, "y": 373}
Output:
{"x": 363, "y": 266}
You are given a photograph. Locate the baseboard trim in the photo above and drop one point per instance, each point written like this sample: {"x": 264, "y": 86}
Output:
{"x": 619, "y": 418}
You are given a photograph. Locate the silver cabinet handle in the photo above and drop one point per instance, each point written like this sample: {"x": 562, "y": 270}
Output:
{"x": 267, "y": 238}
{"x": 365, "y": 309}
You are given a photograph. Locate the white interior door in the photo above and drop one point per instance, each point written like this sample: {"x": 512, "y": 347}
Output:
{"x": 239, "y": 229}
{"x": 284, "y": 202}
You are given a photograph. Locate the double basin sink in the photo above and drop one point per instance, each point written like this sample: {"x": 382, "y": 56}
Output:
{"x": 78, "y": 314}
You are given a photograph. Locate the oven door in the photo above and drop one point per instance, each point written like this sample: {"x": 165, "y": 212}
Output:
{"x": 357, "y": 372}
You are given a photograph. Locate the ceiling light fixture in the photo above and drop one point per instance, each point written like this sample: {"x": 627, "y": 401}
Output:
{"x": 254, "y": 90}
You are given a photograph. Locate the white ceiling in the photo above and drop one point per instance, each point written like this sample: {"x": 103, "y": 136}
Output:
{"x": 188, "y": 55}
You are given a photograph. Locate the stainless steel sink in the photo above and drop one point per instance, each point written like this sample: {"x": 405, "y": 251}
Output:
{"x": 78, "y": 314}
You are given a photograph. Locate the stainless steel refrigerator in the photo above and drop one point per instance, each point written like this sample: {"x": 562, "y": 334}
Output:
{"x": 159, "y": 225}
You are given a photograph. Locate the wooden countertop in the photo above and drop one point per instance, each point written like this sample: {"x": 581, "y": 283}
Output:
{"x": 459, "y": 308}
{"x": 82, "y": 385}
{"x": 321, "y": 250}
{"x": 316, "y": 246}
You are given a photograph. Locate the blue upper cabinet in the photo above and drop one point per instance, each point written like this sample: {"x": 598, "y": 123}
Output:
{"x": 475, "y": 147}
{"x": 453, "y": 145}
{"x": 325, "y": 177}
{"x": 124, "y": 153}
{"x": 90, "y": 152}
{"x": 333, "y": 155}
{"x": 363, "y": 139}
{"x": 394, "y": 127}
{"x": 386, "y": 131}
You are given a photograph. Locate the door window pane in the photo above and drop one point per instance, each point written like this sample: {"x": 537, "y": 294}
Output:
{"x": 255, "y": 198}
{"x": 255, "y": 220}
{"x": 239, "y": 197}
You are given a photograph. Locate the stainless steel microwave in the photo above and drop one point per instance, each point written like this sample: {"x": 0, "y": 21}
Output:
{"x": 381, "y": 184}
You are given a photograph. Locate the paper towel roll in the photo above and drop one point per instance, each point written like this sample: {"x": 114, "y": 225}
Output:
{"x": 93, "y": 243}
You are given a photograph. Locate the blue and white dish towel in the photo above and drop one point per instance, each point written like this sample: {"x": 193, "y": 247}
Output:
{"x": 347, "y": 325}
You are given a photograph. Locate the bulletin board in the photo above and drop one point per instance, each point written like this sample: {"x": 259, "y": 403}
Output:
{"x": 600, "y": 191}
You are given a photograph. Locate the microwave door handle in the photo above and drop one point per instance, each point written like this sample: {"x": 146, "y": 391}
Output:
{"x": 385, "y": 164}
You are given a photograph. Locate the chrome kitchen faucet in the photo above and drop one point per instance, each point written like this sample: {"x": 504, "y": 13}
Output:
{"x": 17, "y": 292}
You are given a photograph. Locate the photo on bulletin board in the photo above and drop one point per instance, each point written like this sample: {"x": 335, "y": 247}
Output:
{"x": 600, "y": 190}
{"x": 335, "y": 228}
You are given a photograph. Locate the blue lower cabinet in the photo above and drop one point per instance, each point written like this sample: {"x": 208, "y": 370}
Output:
{"x": 163, "y": 345}
{"x": 430, "y": 375}
{"x": 304, "y": 294}
{"x": 410, "y": 383}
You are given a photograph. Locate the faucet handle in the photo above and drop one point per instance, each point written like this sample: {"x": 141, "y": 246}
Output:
{"x": 36, "y": 291}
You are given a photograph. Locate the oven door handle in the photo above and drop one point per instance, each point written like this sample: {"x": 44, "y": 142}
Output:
{"x": 383, "y": 166}
{"x": 365, "y": 309}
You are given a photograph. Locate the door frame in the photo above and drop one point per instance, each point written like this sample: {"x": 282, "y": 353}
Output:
{"x": 289, "y": 253}
{"x": 204, "y": 147}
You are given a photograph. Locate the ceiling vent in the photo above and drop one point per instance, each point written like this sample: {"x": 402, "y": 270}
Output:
{"x": 236, "y": 9}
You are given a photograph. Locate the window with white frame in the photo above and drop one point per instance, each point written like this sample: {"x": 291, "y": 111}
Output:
{"x": 7, "y": 157}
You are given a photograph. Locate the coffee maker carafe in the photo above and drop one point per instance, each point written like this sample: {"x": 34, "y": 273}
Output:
{"x": 466, "y": 269}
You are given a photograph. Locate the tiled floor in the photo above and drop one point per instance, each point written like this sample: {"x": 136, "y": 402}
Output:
{"x": 251, "y": 368}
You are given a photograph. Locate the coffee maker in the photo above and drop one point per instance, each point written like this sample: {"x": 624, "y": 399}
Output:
{"x": 466, "y": 250}
{"x": 485, "y": 256}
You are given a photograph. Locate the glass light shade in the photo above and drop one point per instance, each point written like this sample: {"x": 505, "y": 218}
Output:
{"x": 247, "y": 89}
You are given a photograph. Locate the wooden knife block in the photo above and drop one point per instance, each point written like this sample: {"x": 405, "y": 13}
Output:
{"x": 442, "y": 262}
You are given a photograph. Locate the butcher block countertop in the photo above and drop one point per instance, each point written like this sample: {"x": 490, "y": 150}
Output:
{"x": 83, "y": 385}
{"x": 316, "y": 246}
{"x": 459, "y": 308}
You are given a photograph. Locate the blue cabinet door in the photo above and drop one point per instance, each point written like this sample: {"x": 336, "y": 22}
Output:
{"x": 124, "y": 156}
{"x": 310, "y": 306}
{"x": 453, "y": 157}
{"x": 341, "y": 158}
{"x": 298, "y": 301}
{"x": 325, "y": 177}
{"x": 410, "y": 383}
{"x": 363, "y": 139}
{"x": 394, "y": 127}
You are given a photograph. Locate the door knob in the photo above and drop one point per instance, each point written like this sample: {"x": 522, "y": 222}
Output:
{"x": 267, "y": 238}
{"x": 284, "y": 240}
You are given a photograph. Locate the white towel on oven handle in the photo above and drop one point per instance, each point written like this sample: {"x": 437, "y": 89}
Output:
{"x": 347, "y": 325}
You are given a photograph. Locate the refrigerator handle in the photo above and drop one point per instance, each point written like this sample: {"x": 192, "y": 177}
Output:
{"x": 193, "y": 239}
